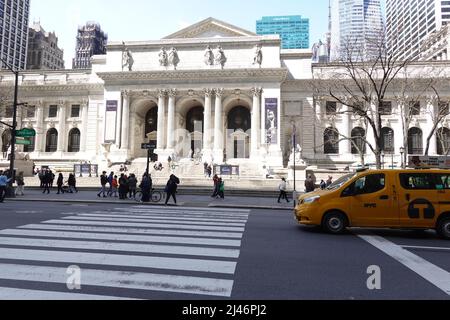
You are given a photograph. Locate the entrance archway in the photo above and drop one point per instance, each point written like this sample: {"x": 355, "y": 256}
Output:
{"x": 151, "y": 129}
{"x": 195, "y": 128}
{"x": 238, "y": 138}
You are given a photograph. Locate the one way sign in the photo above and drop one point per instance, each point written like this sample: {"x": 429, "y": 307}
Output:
{"x": 148, "y": 146}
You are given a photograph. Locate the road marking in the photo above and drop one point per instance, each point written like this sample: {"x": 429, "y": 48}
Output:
{"x": 156, "y": 220}
{"x": 198, "y": 265}
{"x": 125, "y": 247}
{"x": 186, "y": 213}
{"x": 120, "y": 279}
{"x": 430, "y": 272}
{"x": 25, "y": 294}
{"x": 190, "y": 209}
{"x": 427, "y": 248}
{"x": 145, "y": 225}
{"x": 211, "y": 234}
{"x": 175, "y": 218}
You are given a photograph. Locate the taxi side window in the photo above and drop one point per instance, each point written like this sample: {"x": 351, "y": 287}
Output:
{"x": 417, "y": 181}
{"x": 443, "y": 181}
{"x": 366, "y": 185}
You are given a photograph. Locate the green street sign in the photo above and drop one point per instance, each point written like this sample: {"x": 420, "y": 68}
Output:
{"x": 26, "y": 133}
{"x": 23, "y": 142}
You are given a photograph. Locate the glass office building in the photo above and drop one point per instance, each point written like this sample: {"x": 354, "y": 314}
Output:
{"x": 293, "y": 30}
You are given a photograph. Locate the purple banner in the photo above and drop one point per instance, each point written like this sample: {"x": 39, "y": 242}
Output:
{"x": 271, "y": 120}
{"x": 111, "y": 105}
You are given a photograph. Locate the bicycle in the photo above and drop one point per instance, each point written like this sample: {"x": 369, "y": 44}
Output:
{"x": 155, "y": 196}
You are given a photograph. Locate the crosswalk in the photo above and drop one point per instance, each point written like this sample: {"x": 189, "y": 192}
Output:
{"x": 148, "y": 250}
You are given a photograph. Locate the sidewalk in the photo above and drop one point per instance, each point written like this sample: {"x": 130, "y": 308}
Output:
{"x": 82, "y": 196}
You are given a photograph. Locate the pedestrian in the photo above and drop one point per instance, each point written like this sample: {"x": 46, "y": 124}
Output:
{"x": 60, "y": 183}
{"x": 216, "y": 186}
{"x": 205, "y": 169}
{"x": 309, "y": 184}
{"x": 47, "y": 179}
{"x": 283, "y": 188}
{"x": 103, "y": 181}
{"x": 146, "y": 186}
{"x": 221, "y": 193}
{"x": 52, "y": 179}
{"x": 41, "y": 175}
{"x": 329, "y": 181}
{"x": 115, "y": 184}
{"x": 110, "y": 181}
{"x": 132, "y": 185}
{"x": 20, "y": 184}
{"x": 123, "y": 186}
{"x": 3, "y": 184}
{"x": 171, "y": 188}
{"x": 209, "y": 171}
{"x": 72, "y": 182}
{"x": 323, "y": 185}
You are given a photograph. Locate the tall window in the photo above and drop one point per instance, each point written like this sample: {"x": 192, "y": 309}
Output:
{"x": 331, "y": 141}
{"x": 74, "y": 140}
{"x": 331, "y": 108}
{"x": 415, "y": 108}
{"x": 31, "y": 111}
{"x": 415, "y": 141}
{"x": 51, "y": 141}
{"x": 387, "y": 140}
{"x": 443, "y": 141}
{"x": 6, "y": 140}
{"x": 75, "y": 111}
{"x": 443, "y": 108}
{"x": 358, "y": 141}
{"x": 386, "y": 108}
{"x": 52, "y": 111}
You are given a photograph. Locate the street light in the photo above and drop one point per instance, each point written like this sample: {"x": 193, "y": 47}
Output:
{"x": 402, "y": 152}
{"x": 14, "y": 125}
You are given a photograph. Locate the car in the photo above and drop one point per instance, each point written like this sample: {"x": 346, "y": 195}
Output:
{"x": 403, "y": 199}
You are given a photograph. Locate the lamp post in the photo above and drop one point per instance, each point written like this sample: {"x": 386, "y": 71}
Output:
{"x": 14, "y": 124}
{"x": 402, "y": 152}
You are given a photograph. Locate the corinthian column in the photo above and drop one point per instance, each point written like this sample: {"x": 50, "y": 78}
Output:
{"x": 207, "y": 121}
{"x": 218, "y": 128}
{"x": 161, "y": 117}
{"x": 256, "y": 115}
{"x": 62, "y": 127}
{"x": 125, "y": 121}
{"x": 171, "y": 120}
{"x": 84, "y": 125}
{"x": 40, "y": 130}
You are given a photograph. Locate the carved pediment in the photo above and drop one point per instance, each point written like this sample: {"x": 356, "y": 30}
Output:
{"x": 210, "y": 28}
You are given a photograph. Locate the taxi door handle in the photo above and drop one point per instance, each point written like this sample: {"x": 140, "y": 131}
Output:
{"x": 384, "y": 198}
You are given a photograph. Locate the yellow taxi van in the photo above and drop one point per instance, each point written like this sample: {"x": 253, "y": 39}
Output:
{"x": 407, "y": 199}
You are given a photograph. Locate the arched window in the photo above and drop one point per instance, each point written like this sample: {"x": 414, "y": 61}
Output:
{"x": 331, "y": 141}
{"x": 443, "y": 141}
{"x": 415, "y": 141}
{"x": 387, "y": 140}
{"x": 6, "y": 140}
{"x": 358, "y": 141}
{"x": 51, "y": 144}
{"x": 74, "y": 140}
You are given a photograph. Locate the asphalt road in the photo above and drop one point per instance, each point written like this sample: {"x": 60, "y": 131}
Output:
{"x": 157, "y": 253}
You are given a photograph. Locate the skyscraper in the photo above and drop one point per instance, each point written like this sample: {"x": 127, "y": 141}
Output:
{"x": 91, "y": 40}
{"x": 356, "y": 26}
{"x": 293, "y": 30}
{"x": 43, "y": 51}
{"x": 14, "y": 16}
{"x": 408, "y": 22}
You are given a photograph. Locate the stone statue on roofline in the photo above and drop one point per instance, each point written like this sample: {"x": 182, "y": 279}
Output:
{"x": 173, "y": 58}
{"x": 258, "y": 55}
{"x": 209, "y": 56}
{"x": 163, "y": 58}
{"x": 220, "y": 57}
{"x": 127, "y": 58}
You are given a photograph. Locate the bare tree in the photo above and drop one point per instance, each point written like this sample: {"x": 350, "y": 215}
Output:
{"x": 439, "y": 114}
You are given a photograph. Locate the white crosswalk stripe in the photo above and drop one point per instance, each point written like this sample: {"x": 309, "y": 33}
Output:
{"x": 192, "y": 251}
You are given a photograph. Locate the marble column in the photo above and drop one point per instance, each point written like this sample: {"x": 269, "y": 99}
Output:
{"x": 40, "y": 129}
{"x": 256, "y": 120}
{"x": 171, "y": 120}
{"x": 219, "y": 130}
{"x": 161, "y": 119}
{"x": 207, "y": 122}
{"x": 345, "y": 144}
{"x": 62, "y": 127}
{"x": 84, "y": 125}
{"x": 124, "y": 144}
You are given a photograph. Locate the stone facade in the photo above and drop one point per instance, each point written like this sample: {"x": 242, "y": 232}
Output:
{"x": 239, "y": 110}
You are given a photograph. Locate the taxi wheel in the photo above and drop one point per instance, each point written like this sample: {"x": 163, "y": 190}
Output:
{"x": 335, "y": 222}
{"x": 443, "y": 228}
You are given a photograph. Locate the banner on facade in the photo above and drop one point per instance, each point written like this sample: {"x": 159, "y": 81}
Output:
{"x": 271, "y": 107}
{"x": 110, "y": 120}
{"x": 442, "y": 162}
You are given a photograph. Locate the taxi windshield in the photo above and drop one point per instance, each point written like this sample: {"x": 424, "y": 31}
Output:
{"x": 341, "y": 181}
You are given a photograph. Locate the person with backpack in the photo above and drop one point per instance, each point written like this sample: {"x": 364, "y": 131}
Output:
{"x": 103, "y": 181}
{"x": 171, "y": 188}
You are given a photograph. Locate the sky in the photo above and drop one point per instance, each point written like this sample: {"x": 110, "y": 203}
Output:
{"x": 132, "y": 20}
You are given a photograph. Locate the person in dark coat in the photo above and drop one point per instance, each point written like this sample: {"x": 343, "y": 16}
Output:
{"x": 146, "y": 186}
{"x": 72, "y": 182}
{"x": 171, "y": 188}
{"x": 60, "y": 183}
{"x": 123, "y": 186}
{"x": 47, "y": 179}
{"x": 132, "y": 185}
{"x": 216, "y": 186}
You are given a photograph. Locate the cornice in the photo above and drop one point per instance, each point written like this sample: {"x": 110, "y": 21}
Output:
{"x": 62, "y": 88}
{"x": 201, "y": 76}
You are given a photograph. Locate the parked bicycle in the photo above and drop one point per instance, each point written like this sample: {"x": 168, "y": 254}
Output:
{"x": 155, "y": 196}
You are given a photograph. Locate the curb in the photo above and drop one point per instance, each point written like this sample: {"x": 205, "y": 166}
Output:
{"x": 231, "y": 206}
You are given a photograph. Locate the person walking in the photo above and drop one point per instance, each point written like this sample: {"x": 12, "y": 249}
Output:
{"x": 115, "y": 185}
{"x": 221, "y": 192}
{"x": 171, "y": 188}
{"x": 110, "y": 181}
{"x": 47, "y": 179}
{"x": 216, "y": 186}
{"x": 20, "y": 184}
{"x": 3, "y": 185}
{"x": 103, "y": 182}
{"x": 72, "y": 182}
{"x": 323, "y": 185}
{"x": 309, "y": 184}
{"x": 329, "y": 181}
{"x": 60, "y": 183}
{"x": 132, "y": 185}
{"x": 146, "y": 186}
{"x": 283, "y": 191}
{"x": 52, "y": 179}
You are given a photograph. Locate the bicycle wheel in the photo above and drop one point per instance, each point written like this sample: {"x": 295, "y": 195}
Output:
{"x": 156, "y": 196}
{"x": 138, "y": 196}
